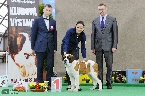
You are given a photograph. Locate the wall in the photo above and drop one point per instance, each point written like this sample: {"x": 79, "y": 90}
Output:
{"x": 130, "y": 19}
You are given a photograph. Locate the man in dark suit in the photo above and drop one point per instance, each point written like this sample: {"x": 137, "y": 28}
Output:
{"x": 44, "y": 43}
{"x": 104, "y": 39}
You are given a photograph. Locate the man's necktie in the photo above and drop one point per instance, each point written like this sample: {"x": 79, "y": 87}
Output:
{"x": 102, "y": 23}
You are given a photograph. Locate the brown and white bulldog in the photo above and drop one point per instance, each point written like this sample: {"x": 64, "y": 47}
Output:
{"x": 75, "y": 68}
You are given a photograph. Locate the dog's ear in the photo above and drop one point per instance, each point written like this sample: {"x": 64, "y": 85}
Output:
{"x": 71, "y": 58}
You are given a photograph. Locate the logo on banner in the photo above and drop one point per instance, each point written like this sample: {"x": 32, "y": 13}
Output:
{"x": 7, "y": 91}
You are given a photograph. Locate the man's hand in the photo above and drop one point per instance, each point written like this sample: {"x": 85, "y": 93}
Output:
{"x": 54, "y": 51}
{"x": 64, "y": 53}
{"x": 33, "y": 52}
{"x": 85, "y": 59}
{"x": 114, "y": 50}
{"x": 93, "y": 51}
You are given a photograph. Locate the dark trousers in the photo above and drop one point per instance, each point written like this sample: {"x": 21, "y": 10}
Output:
{"x": 41, "y": 56}
{"x": 108, "y": 55}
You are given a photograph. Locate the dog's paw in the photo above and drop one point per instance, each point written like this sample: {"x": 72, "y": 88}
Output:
{"x": 70, "y": 90}
{"x": 92, "y": 88}
{"x": 75, "y": 90}
{"x": 99, "y": 89}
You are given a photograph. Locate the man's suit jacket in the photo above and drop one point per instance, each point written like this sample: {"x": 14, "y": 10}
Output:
{"x": 41, "y": 38}
{"x": 106, "y": 38}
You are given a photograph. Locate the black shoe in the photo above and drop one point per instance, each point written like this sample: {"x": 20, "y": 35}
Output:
{"x": 78, "y": 89}
{"x": 109, "y": 87}
{"x": 97, "y": 87}
{"x": 68, "y": 88}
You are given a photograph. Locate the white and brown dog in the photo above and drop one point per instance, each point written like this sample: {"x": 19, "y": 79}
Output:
{"x": 75, "y": 68}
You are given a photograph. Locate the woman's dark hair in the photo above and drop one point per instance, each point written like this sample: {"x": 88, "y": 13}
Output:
{"x": 80, "y": 22}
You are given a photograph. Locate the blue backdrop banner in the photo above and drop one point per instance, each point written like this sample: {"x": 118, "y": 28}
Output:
{"x": 52, "y": 2}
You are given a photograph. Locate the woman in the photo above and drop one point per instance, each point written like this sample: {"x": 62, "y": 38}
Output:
{"x": 70, "y": 44}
